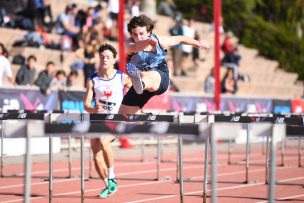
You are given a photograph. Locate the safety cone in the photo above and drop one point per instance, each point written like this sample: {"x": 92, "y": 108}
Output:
{"x": 124, "y": 143}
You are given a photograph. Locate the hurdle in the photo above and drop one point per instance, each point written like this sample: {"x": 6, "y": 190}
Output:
{"x": 94, "y": 130}
{"x": 47, "y": 116}
{"x": 16, "y": 115}
{"x": 295, "y": 132}
{"x": 132, "y": 118}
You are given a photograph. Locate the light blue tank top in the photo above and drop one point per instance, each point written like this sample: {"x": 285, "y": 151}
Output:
{"x": 145, "y": 60}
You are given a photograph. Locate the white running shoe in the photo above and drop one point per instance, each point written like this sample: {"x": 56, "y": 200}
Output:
{"x": 134, "y": 74}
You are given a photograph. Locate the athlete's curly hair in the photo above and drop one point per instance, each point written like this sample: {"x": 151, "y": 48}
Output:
{"x": 141, "y": 21}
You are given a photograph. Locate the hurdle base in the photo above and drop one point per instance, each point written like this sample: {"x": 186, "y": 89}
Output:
{"x": 250, "y": 181}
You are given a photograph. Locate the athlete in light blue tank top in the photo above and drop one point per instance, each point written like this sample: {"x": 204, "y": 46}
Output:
{"x": 147, "y": 67}
{"x": 147, "y": 60}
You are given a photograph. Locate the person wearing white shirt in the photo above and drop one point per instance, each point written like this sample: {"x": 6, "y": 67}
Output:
{"x": 188, "y": 31}
{"x": 5, "y": 67}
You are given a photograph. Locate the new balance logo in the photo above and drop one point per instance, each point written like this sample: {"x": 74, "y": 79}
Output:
{"x": 22, "y": 115}
{"x": 151, "y": 118}
{"x": 235, "y": 118}
{"x": 280, "y": 120}
{"x": 110, "y": 117}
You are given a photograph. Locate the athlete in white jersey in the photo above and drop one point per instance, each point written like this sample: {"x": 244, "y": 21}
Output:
{"x": 107, "y": 87}
{"x": 108, "y": 92}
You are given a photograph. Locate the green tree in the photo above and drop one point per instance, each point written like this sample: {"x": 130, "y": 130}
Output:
{"x": 274, "y": 27}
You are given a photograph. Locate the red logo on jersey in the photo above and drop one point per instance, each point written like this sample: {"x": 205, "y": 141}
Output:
{"x": 107, "y": 92}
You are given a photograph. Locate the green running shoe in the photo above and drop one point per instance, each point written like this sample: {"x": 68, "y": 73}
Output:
{"x": 105, "y": 193}
{"x": 112, "y": 185}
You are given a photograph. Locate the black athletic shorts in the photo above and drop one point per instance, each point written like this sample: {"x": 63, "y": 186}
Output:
{"x": 134, "y": 99}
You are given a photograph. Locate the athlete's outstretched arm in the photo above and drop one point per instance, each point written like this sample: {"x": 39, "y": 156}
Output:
{"x": 133, "y": 47}
{"x": 169, "y": 41}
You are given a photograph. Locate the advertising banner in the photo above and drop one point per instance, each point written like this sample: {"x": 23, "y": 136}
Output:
{"x": 25, "y": 99}
{"x": 232, "y": 104}
{"x": 71, "y": 101}
{"x": 158, "y": 102}
{"x": 281, "y": 106}
{"x": 297, "y": 105}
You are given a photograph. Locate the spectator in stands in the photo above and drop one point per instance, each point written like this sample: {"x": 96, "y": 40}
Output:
{"x": 89, "y": 21}
{"x": 221, "y": 28}
{"x": 209, "y": 82}
{"x": 48, "y": 16}
{"x": 72, "y": 80}
{"x": 177, "y": 49}
{"x": 5, "y": 67}
{"x": 229, "y": 84}
{"x": 36, "y": 12}
{"x": 167, "y": 8}
{"x": 59, "y": 82}
{"x": 230, "y": 51}
{"x": 27, "y": 72}
{"x": 135, "y": 8}
{"x": 231, "y": 57}
{"x": 45, "y": 78}
{"x": 90, "y": 58}
{"x": 188, "y": 31}
{"x": 2, "y": 16}
{"x": 112, "y": 21}
{"x": 66, "y": 23}
{"x": 196, "y": 51}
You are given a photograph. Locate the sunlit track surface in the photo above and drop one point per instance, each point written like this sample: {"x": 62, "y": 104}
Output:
{"x": 223, "y": 177}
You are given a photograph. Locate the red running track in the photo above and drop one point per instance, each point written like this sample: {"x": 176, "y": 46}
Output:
{"x": 230, "y": 187}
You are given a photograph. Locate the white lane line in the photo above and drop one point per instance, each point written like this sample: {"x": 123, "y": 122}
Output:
{"x": 159, "y": 182}
{"x": 126, "y": 164}
{"x": 138, "y": 172}
{"x": 118, "y": 175}
{"x": 218, "y": 189}
{"x": 86, "y": 168}
{"x": 134, "y": 173}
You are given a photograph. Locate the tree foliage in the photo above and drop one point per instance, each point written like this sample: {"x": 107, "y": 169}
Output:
{"x": 274, "y": 27}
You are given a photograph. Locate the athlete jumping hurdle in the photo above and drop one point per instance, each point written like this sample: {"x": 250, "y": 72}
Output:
{"x": 147, "y": 65}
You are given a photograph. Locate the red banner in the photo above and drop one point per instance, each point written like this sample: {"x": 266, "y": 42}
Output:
{"x": 297, "y": 105}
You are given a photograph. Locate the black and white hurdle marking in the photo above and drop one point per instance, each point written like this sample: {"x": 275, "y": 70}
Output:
{"x": 120, "y": 127}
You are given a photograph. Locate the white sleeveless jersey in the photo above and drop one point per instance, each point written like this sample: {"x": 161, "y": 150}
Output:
{"x": 109, "y": 92}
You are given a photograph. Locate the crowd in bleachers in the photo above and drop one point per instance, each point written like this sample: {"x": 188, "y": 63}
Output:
{"x": 75, "y": 30}
{"x": 75, "y": 34}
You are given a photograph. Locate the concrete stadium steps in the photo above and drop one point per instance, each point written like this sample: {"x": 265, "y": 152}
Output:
{"x": 247, "y": 52}
{"x": 266, "y": 90}
{"x": 258, "y": 64}
{"x": 162, "y": 22}
{"x": 8, "y": 36}
{"x": 44, "y": 55}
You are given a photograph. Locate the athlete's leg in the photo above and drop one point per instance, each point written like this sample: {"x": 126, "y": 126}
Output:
{"x": 124, "y": 109}
{"x": 100, "y": 164}
{"x": 151, "y": 80}
{"x": 107, "y": 150}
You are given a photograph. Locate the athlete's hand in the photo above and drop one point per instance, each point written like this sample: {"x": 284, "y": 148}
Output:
{"x": 152, "y": 42}
{"x": 98, "y": 107}
{"x": 204, "y": 45}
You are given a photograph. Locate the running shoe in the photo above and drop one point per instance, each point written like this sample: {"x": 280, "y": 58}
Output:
{"x": 112, "y": 185}
{"x": 134, "y": 74}
{"x": 105, "y": 193}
